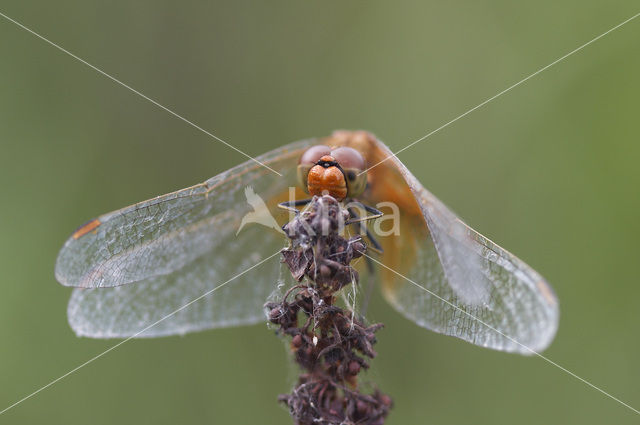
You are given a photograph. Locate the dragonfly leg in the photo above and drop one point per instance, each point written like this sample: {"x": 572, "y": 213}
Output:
{"x": 355, "y": 218}
{"x": 375, "y": 213}
{"x": 291, "y": 205}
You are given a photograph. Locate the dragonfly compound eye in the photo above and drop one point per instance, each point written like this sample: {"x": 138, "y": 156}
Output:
{"x": 308, "y": 159}
{"x": 353, "y": 166}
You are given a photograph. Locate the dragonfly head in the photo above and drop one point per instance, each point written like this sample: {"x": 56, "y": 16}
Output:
{"x": 338, "y": 172}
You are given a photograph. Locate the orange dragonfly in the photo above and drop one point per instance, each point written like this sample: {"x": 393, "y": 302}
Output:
{"x": 135, "y": 269}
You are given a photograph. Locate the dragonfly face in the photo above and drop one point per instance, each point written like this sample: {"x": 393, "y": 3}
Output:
{"x": 340, "y": 172}
{"x": 142, "y": 264}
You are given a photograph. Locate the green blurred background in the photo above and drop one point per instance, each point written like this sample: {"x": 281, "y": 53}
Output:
{"x": 549, "y": 170}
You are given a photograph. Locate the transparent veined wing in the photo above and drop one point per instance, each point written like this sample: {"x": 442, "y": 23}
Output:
{"x": 175, "y": 248}
{"x": 446, "y": 277}
{"x": 226, "y": 287}
{"x": 161, "y": 235}
{"x": 137, "y": 265}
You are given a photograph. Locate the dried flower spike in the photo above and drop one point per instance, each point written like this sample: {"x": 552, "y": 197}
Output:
{"x": 330, "y": 344}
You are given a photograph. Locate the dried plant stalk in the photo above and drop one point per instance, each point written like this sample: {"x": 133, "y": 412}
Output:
{"x": 329, "y": 343}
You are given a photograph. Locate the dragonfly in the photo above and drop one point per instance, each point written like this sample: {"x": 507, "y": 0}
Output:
{"x": 140, "y": 265}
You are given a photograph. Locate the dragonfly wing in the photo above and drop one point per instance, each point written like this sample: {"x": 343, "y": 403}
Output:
{"x": 161, "y": 235}
{"x": 446, "y": 277}
{"x": 480, "y": 293}
{"x": 162, "y": 260}
{"x": 226, "y": 287}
